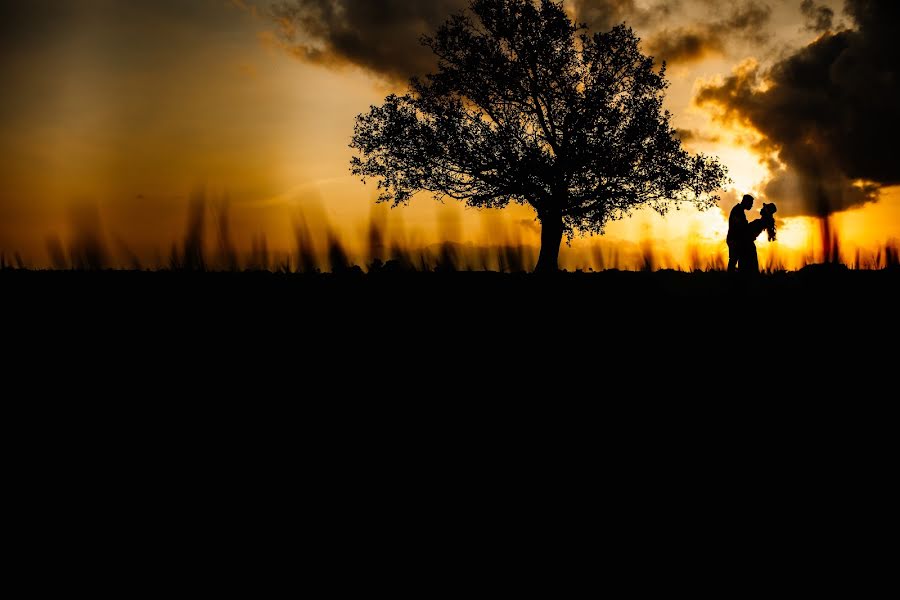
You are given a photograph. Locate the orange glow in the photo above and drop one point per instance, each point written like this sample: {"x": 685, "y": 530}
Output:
{"x": 460, "y": 239}
{"x": 127, "y": 118}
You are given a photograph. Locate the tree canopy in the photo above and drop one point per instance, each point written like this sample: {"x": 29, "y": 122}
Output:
{"x": 527, "y": 107}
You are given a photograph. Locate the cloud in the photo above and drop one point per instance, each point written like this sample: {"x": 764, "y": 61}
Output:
{"x": 381, "y": 36}
{"x": 745, "y": 21}
{"x": 828, "y": 111}
{"x": 748, "y": 20}
{"x": 602, "y": 15}
{"x": 818, "y": 18}
{"x": 685, "y": 44}
{"x": 693, "y": 135}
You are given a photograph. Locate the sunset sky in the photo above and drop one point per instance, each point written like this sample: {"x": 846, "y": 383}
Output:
{"x": 130, "y": 106}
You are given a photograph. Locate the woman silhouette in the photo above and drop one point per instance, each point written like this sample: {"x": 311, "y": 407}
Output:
{"x": 765, "y": 222}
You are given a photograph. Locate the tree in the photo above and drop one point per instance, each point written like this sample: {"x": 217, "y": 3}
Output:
{"x": 526, "y": 107}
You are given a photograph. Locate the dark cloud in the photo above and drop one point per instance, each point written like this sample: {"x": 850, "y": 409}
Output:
{"x": 819, "y": 18}
{"x": 748, "y": 20}
{"x": 382, "y": 36}
{"x": 685, "y": 44}
{"x": 379, "y": 35}
{"x": 745, "y": 21}
{"x": 829, "y": 112}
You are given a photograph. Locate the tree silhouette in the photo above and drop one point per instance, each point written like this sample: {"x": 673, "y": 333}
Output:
{"x": 526, "y": 107}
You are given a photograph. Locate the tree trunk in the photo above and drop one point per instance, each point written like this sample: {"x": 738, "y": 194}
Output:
{"x": 551, "y": 238}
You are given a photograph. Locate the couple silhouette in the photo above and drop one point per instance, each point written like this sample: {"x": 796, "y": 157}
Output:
{"x": 742, "y": 235}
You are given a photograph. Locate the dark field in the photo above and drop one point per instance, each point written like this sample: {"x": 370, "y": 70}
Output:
{"x": 342, "y": 365}
{"x": 578, "y": 306}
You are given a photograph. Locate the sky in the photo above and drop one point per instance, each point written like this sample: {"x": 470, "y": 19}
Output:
{"x": 125, "y": 110}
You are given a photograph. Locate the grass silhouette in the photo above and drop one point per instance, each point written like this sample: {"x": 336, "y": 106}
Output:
{"x": 207, "y": 244}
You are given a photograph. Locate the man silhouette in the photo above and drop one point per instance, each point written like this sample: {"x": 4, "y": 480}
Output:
{"x": 738, "y": 235}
